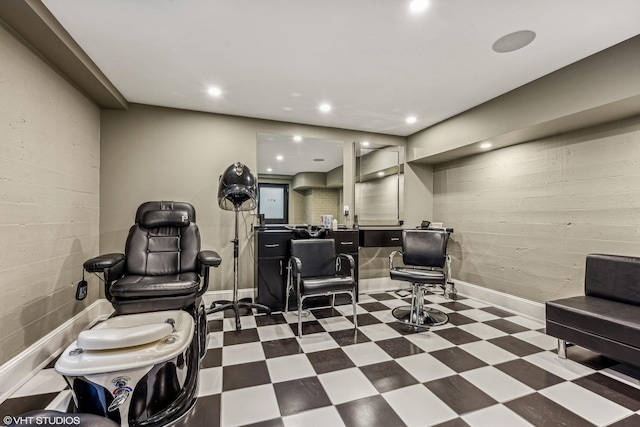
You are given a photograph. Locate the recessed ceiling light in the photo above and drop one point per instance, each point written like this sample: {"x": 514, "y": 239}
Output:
{"x": 411, "y": 119}
{"x": 297, "y": 138}
{"x": 417, "y": 6}
{"x": 214, "y": 91}
{"x": 325, "y": 108}
{"x": 485, "y": 145}
{"x": 381, "y": 173}
{"x": 365, "y": 143}
{"x": 269, "y": 170}
{"x": 287, "y": 108}
{"x": 279, "y": 157}
{"x": 514, "y": 41}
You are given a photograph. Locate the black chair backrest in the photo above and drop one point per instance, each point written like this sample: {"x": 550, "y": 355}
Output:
{"x": 165, "y": 240}
{"x": 318, "y": 256}
{"x": 424, "y": 248}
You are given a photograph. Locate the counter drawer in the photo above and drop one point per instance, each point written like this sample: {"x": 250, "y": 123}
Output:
{"x": 346, "y": 242}
{"x": 273, "y": 245}
{"x": 381, "y": 238}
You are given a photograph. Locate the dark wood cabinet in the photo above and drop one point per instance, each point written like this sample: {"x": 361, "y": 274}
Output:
{"x": 272, "y": 256}
{"x": 346, "y": 242}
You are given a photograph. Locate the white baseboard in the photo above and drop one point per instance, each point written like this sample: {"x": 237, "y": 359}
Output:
{"x": 20, "y": 369}
{"x": 512, "y": 303}
{"x": 380, "y": 284}
{"x": 227, "y": 295}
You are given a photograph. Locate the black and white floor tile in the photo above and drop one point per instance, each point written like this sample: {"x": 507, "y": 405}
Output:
{"x": 486, "y": 367}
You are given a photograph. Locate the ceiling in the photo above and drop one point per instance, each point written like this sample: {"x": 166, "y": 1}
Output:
{"x": 374, "y": 61}
{"x": 303, "y": 155}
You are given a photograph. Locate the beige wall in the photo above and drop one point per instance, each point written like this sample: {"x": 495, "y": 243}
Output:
{"x": 49, "y": 196}
{"x": 526, "y": 216}
{"x": 154, "y": 153}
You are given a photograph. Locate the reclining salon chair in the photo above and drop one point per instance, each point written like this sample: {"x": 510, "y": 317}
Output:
{"x": 424, "y": 254}
{"x": 315, "y": 266}
{"x": 162, "y": 266}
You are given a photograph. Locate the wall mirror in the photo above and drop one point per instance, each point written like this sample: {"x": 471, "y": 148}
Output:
{"x": 379, "y": 185}
{"x": 309, "y": 172}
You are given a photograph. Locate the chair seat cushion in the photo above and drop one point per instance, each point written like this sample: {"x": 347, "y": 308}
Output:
{"x": 135, "y": 286}
{"x": 614, "y": 320}
{"x": 319, "y": 285}
{"x": 416, "y": 275}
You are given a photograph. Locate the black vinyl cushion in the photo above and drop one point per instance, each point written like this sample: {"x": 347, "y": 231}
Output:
{"x": 162, "y": 251}
{"x": 318, "y": 256}
{"x": 162, "y": 206}
{"x": 614, "y": 320}
{"x": 613, "y": 277}
{"x": 320, "y": 285}
{"x": 155, "y": 219}
{"x": 136, "y": 286}
{"x": 415, "y": 275}
{"x": 424, "y": 248}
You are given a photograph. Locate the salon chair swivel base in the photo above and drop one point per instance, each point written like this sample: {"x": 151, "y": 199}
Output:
{"x": 417, "y": 315}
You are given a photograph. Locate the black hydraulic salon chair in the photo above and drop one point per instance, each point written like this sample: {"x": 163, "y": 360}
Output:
{"x": 162, "y": 267}
{"x": 424, "y": 255}
{"x": 315, "y": 268}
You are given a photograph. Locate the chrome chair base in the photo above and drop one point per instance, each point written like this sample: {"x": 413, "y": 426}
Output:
{"x": 417, "y": 315}
{"x": 424, "y": 318}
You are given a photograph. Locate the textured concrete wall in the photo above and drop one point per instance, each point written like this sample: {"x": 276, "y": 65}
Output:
{"x": 49, "y": 196}
{"x": 526, "y": 216}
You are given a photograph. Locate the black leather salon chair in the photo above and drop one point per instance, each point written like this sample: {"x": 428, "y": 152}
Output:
{"x": 424, "y": 255}
{"x": 162, "y": 267}
{"x": 315, "y": 268}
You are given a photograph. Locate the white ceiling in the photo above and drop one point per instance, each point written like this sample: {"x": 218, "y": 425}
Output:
{"x": 373, "y": 60}
{"x": 306, "y": 155}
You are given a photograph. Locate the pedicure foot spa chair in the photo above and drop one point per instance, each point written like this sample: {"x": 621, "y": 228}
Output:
{"x": 140, "y": 367}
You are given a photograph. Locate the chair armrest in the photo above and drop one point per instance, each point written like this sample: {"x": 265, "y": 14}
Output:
{"x": 110, "y": 265}
{"x": 99, "y": 263}
{"x": 296, "y": 264}
{"x": 209, "y": 258}
{"x": 206, "y": 260}
{"x": 391, "y": 256}
{"x": 352, "y": 262}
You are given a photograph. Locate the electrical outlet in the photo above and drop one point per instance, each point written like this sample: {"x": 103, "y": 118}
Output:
{"x": 346, "y": 210}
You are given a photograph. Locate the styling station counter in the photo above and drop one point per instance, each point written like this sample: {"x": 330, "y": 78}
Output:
{"x": 272, "y": 253}
{"x": 273, "y": 247}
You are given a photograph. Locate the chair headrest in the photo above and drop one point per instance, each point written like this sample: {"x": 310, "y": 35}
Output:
{"x": 165, "y": 206}
{"x": 155, "y": 219}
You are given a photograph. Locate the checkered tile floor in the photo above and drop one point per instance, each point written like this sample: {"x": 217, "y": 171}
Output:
{"x": 487, "y": 367}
